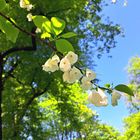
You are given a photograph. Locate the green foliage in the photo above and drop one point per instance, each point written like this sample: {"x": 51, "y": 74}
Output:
{"x": 10, "y": 31}
{"x": 98, "y": 131}
{"x": 2, "y": 4}
{"x": 44, "y": 24}
{"x": 54, "y": 27}
{"x": 58, "y": 25}
{"x": 134, "y": 65}
{"x": 134, "y": 82}
{"x": 132, "y": 127}
{"x": 68, "y": 35}
{"x": 124, "y": 88}
{"x": 63, "y": 46}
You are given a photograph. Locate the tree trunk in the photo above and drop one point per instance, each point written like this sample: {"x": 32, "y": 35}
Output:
{"x": 1, "y": 88}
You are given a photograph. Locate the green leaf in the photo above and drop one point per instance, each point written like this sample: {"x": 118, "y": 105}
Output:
{"x": 64, "y": 46}
{"x": 10, "y": 31}
{"x": 43, "y": 23}
{"x": 45, "y": 35}
{"x": 58, "y": 25}
{"x": 107, "y": 85}
{"x": 124, "y": 88}
{"x": 2, "y": 4}
{"x": 69, "y": 35}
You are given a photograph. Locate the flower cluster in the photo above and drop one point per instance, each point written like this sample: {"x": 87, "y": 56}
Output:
{"x": 25, "y": 4}
{"x": 71, "y": 74}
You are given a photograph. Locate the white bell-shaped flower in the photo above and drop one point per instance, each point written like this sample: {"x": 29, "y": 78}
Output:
{"x": 72, "y": 76}
{"x": 90, "y": 74}
{"x": 22, "y": 4}
{"x": 51, "y": 64}
{"x": 115, "y": 97}
{"x": 98, "y": 98}
{"x": 29, "y": 7}
{"x": 25, "y": 4}
{"x": 65, "y": 65}
{"x": 66, "y": 76}
{"x": 29, "y": 17}
{"x": 75, "y": 74}
{"x": 38, "y": 30}
{"x": 86, "y": 83}
{"x": 56, "y": 58}
{"x": 72, "y": 57}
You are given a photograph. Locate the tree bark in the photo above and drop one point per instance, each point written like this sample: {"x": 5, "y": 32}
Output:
{"x": 1, "y": 88}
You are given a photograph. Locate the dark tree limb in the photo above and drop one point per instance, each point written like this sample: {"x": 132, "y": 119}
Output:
{"x": 29, "y": 48}
{"x": 32, "y": 34}
{"x": 29, "y": 102}
{"x": 16, "y": 26}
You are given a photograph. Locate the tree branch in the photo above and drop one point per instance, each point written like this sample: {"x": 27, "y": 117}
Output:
{"x": 14, "y": 24}
{"x": 32, "y": 34}
{"x": 33, "y": 48}
{"x": 29, "y": 102}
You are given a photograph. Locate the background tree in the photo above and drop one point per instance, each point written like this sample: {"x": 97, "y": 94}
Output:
{"x": 132, "y": 125}
{"x": 134, "y": 80}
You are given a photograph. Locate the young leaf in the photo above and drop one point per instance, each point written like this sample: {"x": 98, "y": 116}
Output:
{"x": 45, "y": 35}
{"x": 107, "y": 85}
{"x": 64, "y": 46}
{"x": 58, "y": 25}
{"x": 69, "y": 35}
{"x": 10, "y": 31}
{"x": 2, "y": 4}
{"x": 124, "y": 88}
{"x": 43, "y": 23}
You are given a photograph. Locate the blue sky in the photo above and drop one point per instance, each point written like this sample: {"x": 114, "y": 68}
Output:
{"x": 113, "y": 69}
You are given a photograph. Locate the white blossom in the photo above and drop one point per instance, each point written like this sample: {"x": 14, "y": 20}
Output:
{"x": 115, "y": 97}
{"x": 86, "y": 83}
{"x": 75, "y": 74}
{"x": 98, "y": 98}
{"x": 66, "y": 76}
{"x": 72, "y": 76}
{"x": 56, "y": 58}
{"x": 25, "y": 4}
{"x": 38, "y": 30}
{"x": 90, "y": 74}
{"x": 72, "y": 57}
{"x": 65, "y": 65}
{"x": 29, "y": 7}
{"x": 29, "y": 17}
{"x": 22, "y": 4}
{"x": 51, "y": 64}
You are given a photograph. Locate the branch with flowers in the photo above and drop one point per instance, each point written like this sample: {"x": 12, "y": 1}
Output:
{"x": 65, "y": 59}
